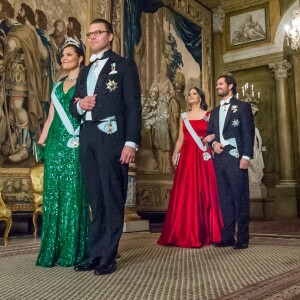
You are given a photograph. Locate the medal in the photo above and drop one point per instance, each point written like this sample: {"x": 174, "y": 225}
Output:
{"x": 206, "y": 156}
{"x": 75, "y": 143}
{"x": 109, "y": 128}
{"x": 111, "y": 85}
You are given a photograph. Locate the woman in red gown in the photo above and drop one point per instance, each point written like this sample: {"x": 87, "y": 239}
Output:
{"x": 193, "y": 217}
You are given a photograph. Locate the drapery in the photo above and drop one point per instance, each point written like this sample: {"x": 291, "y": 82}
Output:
{"x": 187, "y": 30}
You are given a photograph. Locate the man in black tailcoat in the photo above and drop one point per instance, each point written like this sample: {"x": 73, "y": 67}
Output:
{"x": 233, "y": 125}
{"x": 107, "y": 100}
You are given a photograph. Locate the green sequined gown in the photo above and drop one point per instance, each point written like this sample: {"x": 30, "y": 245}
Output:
{"x": 65, "y": 219}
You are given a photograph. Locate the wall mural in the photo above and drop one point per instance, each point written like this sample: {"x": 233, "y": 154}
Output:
{"x": 32, "y": 35}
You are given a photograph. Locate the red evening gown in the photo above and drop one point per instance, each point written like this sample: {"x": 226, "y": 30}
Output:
{"x": 193, "y": 217}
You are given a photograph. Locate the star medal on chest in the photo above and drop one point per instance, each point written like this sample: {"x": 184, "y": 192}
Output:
{"x": 112, "y": 85}
{"x": 235, "y": 123}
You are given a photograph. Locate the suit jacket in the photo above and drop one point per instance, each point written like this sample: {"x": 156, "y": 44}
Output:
{"x": 123, "y": 102}
{"x": 239, "y": 124}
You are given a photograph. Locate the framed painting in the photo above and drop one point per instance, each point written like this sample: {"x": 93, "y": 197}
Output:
{"x": 248, "y": 27}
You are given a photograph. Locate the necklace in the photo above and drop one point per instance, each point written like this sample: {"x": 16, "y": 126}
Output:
{"x": 70, "y": 79}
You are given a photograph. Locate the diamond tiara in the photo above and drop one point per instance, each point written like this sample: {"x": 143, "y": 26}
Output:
{"x": 70, "y": 41}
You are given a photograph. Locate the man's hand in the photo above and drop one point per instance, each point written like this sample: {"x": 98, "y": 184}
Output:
{"x": 218, "y": 147}
{"x": 244, "y": 163}
{"x": 87, "y": 103}
{"x": 127, "y": 155}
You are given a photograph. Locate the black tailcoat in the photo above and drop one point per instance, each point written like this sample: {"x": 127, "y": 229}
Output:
{"x": 233, "y": 182}
{"x": 118, "y": 95}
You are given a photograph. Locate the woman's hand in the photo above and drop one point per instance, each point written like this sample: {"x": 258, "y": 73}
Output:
{"x": 209, "y": 138}
{"x": 175, "y": 159}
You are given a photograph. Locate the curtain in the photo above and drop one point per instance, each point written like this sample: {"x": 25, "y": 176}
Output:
{"x": 188, "y": 31}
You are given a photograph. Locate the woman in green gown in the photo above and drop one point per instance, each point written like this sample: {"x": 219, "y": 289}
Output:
{"x": 65, "y": 211}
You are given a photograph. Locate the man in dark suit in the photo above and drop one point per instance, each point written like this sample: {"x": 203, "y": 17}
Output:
{"x": 233, "y": 125}
{"x": 107, "y": 100}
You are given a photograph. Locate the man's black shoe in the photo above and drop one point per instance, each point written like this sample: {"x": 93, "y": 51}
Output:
{"x": 225, "y": 244}
{"x": 88, "y": 265}
{"x": 239, "y": 245}
{"x": 104, "y": 269}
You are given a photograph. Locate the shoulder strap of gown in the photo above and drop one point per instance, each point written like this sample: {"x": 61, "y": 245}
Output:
{"x": 62, "y": 114}
{"x": 192, "y": 132}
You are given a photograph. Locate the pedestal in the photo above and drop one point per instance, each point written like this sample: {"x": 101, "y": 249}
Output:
{"x": 153, "y": 192}
{"x": 287, "y": 195}
{"x": 17, "y": 189}
{"x": 132, "y": 221}
{"x": 258, "y": 195}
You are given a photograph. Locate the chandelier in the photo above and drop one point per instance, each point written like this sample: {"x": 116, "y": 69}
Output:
{"x": 248, "y": 95}
{"x": 293, "y": 34}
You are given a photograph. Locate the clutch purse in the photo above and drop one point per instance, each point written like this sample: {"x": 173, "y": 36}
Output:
{"x": 38, "y": 152}
{"x": 177, "y": 159}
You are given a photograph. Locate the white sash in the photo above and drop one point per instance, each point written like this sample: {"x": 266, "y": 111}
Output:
{"x": 206, "y": 155}
{"x": 73, "y": 142}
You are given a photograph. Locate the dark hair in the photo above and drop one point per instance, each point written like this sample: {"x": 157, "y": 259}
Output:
{"x": 29, "y": 13}
{"x": 76, "y": 26}
{"x": 42, "y": 19}
{"x": 230, "y": 80}
{"x": 107, "y": 25}
{"x": 78, "y": 51}
{"x": 200, "y": 92}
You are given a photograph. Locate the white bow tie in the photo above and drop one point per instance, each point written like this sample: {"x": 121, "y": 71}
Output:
{"x": 224, "y": 102}
{"x": 95, "y": 57}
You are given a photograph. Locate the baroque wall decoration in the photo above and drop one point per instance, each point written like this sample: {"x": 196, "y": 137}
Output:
{"x": 247, "y": 27}
{"x": 49, "y": 23}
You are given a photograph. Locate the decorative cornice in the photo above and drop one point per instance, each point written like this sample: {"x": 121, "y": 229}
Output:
{"x": 280, "y": 69}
